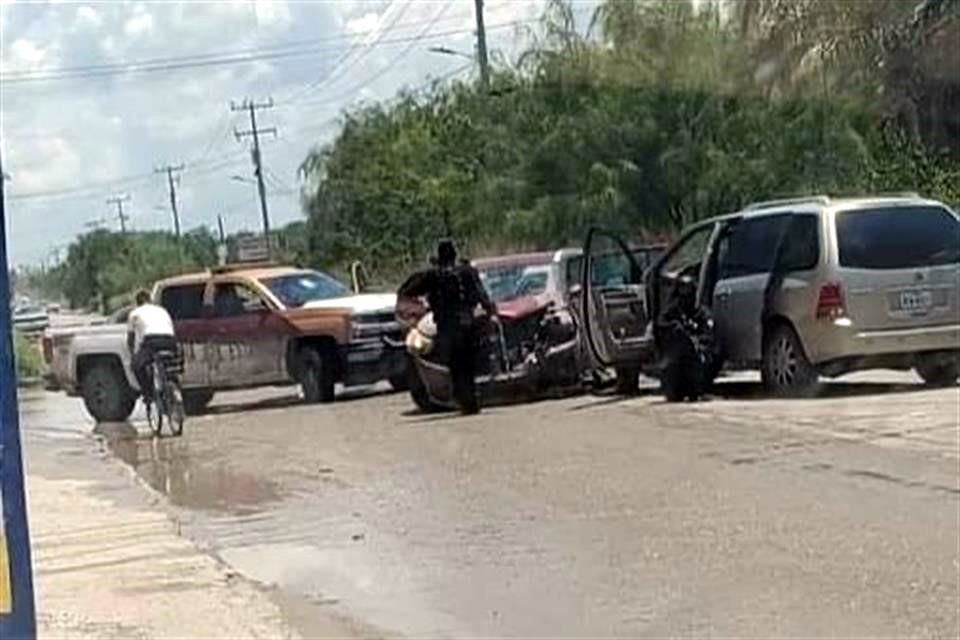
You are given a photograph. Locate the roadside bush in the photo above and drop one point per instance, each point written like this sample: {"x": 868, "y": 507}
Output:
{"x": 28, "y": 357}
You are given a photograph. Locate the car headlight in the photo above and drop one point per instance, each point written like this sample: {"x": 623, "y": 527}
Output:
{"x": 417, "y": 343}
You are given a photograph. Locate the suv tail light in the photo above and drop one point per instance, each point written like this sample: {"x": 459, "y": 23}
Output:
{"x": 47, "y": 349}
{"x": 830, "y": 303}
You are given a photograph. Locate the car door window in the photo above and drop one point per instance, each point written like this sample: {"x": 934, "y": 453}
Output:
{"x": 749, "y": 246}
{"x": 183, "y": 302}
{"x": 231, "y": 299}
{"x": 801, "y": 250}
{"x": 687, "y": 257}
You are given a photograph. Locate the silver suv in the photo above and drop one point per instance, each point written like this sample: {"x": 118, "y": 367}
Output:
{"x": 817, "y": 286}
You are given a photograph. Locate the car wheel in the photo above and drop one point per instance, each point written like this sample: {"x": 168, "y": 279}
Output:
{"x": 106, "y": 393}
{"x": 939, "y": 373}
{"x": 786, "y": 370}
{"x": 196, "y": 401}
{"x": 418, "y": 391}
{"x": 628, "y": 380}
{"x": 316, "y": 377}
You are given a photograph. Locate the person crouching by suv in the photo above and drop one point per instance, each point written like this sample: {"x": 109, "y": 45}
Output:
{"x": 149, "y": 331}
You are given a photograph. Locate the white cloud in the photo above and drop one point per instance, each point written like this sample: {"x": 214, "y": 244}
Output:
{"x": 271, "y": 13}
{"x": 138, "y": 25}
{"x": 25, "y": 54}
{"x": 88, "y": 18}
{"x": 363, "y": 24}
{"x": 61, "y": 135}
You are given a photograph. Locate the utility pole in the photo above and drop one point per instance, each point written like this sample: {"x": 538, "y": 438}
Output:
{"x": 170, "y": 170}
{"x": 119, "y": 200}
{"x": 482, "y": 46}
{"x": 223, "y": 236}
{"x": 251, "y": 106}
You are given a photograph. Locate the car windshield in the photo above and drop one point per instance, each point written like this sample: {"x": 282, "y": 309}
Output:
{"x": 898, "y": 237}
{"x": 296, "y": 290}
{"x": 509, "y": 281}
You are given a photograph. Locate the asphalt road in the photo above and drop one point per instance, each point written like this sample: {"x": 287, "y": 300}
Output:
{"x": 591, "y": 516}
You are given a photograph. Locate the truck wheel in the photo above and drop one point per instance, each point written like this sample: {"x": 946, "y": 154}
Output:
{"x": 316, "y": 377}
{"x": 939, "y": 373}
{"x": 106, "y": 394}
{"x": 196, "y": 401}
{"x": 786, "y": 371}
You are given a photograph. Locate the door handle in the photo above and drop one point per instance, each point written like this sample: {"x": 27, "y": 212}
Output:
{"x": 723, "y": 293}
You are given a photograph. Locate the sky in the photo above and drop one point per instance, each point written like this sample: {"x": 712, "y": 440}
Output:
{"x": 94, "y": 96}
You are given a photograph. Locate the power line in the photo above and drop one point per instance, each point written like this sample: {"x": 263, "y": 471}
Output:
{"x": 339, "y": 69}
{"x": 382, "y": 71}
{"x": 98, "y": 71}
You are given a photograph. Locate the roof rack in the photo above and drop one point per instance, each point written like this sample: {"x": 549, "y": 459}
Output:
{"x": 767, "y": 204}
{"x": 897, "y": 194}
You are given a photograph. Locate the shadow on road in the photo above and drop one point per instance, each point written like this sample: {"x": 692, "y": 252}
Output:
{"x": 291, "y": 400}
{"x": 744, "y": 390}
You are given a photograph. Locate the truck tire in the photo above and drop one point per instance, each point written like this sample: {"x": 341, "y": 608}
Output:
{"x": 106, "y": 393}
{"x": 196, "y": 401}
{"x": 939, "y": 373}
{"x": 317, "y": 378}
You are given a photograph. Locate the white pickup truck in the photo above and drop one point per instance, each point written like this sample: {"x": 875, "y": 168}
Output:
{"x": 241, "y": 327}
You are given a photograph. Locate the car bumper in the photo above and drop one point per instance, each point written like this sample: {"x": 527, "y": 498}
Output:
{"x": 841, "y": 340}
{"x": 370, "y": 361}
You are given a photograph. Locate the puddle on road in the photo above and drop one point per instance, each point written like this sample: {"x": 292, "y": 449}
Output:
{"x": 167, "y": 465}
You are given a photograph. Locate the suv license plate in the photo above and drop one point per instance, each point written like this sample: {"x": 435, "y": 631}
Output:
{"x": 916, "y": 301}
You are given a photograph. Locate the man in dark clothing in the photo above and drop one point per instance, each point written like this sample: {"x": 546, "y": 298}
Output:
{"x": 686, "y": 341}
{"x": 453, "y": 292}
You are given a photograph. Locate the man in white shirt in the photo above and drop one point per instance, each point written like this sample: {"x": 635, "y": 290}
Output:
{"x": 149, "y": 330}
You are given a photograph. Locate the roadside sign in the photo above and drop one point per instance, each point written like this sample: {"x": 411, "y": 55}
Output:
{"x": 252, "y": 249}
{"x": 17, "y": 616}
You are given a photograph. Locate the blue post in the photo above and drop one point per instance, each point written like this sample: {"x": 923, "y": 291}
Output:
{"x": 17, "y": 615}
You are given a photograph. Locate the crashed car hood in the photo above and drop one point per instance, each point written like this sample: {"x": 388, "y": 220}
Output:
{"x": 363, "y": 303}
{"x": 522, "y": 307}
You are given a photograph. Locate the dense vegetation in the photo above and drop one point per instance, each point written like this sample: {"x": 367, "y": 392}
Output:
{"x": 661, "y": 115}
{"x": 666, "y": 111}
{"x": 103, "y": 269}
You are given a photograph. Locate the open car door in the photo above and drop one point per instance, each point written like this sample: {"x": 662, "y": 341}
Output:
{"x": 614, "y": 308}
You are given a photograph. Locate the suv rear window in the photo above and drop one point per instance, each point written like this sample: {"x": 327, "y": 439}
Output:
{"x": 898, "y": 237}
{"x": 183, "y": 302}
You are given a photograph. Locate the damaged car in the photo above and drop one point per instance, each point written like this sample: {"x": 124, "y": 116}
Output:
{"x": 537, "y": 348}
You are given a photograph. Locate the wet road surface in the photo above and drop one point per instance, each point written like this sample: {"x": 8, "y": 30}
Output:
{"x": 591, "y": 516}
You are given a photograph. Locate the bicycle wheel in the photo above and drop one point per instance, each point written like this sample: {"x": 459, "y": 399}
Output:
{"x": 175, "y": 410}
{"x": 156, "y": 410}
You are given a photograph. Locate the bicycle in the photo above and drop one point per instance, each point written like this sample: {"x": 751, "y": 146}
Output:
{"x": 167, "y": 402}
